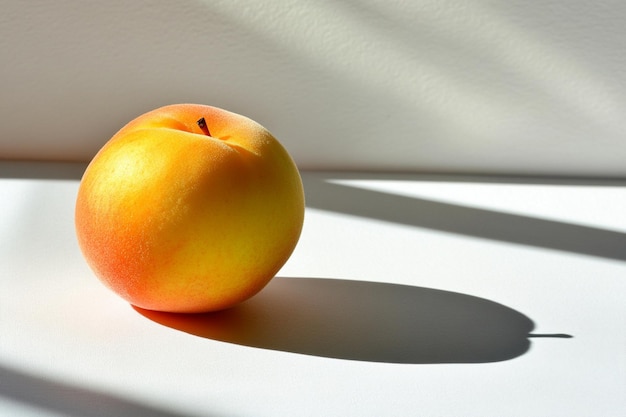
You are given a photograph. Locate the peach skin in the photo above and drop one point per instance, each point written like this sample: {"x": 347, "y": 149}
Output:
{"x": 189, "y": 208}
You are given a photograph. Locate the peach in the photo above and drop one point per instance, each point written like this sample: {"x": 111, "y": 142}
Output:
{"x": 189, "y": 208}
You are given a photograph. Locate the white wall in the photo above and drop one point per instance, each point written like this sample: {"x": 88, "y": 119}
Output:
{"x": 425, "y": 85}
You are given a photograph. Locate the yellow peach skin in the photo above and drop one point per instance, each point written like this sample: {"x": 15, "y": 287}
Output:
{"x": 176, "y": 216}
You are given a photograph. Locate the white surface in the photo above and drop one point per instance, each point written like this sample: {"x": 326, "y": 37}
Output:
{"x": 427, "y": 85}
{"x": 545, "y": 251}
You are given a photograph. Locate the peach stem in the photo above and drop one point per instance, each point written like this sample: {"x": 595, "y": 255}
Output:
{"x": 203, "y": 126}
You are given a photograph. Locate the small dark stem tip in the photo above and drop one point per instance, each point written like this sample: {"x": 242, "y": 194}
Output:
{"x": 203, "y": 126}
{"x": 557, "y": 335}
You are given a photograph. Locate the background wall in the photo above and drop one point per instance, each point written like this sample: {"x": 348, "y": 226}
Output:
{"x": 427, "y": 85}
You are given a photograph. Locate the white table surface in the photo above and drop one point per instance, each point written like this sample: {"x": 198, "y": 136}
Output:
{"x": 406, "y": 296}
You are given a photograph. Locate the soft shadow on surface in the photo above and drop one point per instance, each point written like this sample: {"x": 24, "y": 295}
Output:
{"x": 463, "y": 220}
{"x": 71, "y": 400}
{"x": 364, "y": 321}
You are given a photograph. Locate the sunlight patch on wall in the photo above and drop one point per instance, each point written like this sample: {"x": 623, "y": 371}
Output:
{"x": 407, "y": 49}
